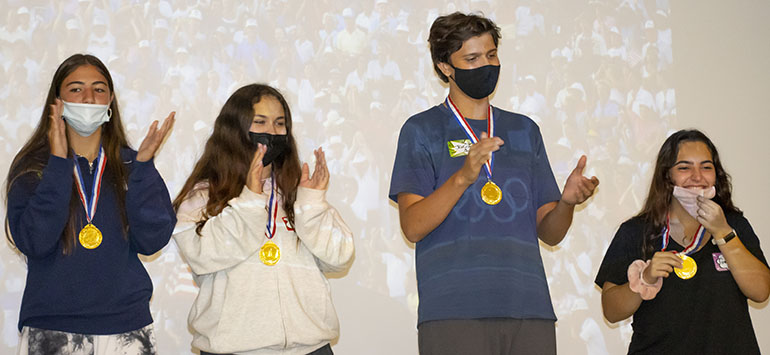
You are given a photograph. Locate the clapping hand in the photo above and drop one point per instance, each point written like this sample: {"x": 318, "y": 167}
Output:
{"x": 320, "y": 178}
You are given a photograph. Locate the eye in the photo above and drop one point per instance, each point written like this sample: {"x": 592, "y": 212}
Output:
{"x": 100, "y": 90}
{"x": 259, "y": 121}
{"x": 74, "y": 90}
{"x": 683, "y": 168}
{"x": 280, "y": 123}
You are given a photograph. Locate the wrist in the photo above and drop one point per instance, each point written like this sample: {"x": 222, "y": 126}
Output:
{"x": 724, "y": 238}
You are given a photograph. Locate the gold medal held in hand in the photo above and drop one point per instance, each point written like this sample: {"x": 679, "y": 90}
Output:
{"x": 90, "y": 237}
{"x": 269, "y": 253}
{"x": 491, "y": 193}
{"x": 688, "y": 269}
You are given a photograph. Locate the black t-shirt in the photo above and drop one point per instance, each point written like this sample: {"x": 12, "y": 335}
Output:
{"x": 707, "y": 314}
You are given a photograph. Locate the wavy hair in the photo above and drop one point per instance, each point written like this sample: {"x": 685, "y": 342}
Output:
{"x": 655, "y": 209}
{"x": 228, "y": 153}
{"x": 447, "y": 34}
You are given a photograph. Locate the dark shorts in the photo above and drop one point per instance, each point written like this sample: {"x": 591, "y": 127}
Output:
{"x": 488, "y": 336}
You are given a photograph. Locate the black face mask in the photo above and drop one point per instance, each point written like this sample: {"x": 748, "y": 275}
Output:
{"x": 277, "y": 145}
{"x": 477, "y": 83}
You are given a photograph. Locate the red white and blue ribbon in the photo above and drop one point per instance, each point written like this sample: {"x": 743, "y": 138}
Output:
{"x": 272, "y": 210}
{"x": 489, "y": 164}
{"x": 90, "y": 204}
{"x": 694, "y": 245}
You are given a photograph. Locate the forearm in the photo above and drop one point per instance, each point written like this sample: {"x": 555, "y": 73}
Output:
{"x": 422, "y": 217}
{"x": 38, "y": 209}
{"x": 227, "y": 239}
{"x": 148, "y": 208}
{"x": 751, "y": 275}
{"x": 619, "y": 302}
{"x": 552, "y": 227}
{"x": 321, "y": 229}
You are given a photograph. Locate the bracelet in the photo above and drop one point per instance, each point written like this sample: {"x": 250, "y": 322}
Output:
{"x": 636, "y": 280}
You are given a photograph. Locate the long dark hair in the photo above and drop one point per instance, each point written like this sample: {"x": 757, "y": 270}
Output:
{"x": 33, "y": 156}
{"x": 655, "y": 209}
{"x": 228, "y": 154}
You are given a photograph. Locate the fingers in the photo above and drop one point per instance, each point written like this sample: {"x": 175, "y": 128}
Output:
{"x": 167, "y": 124}
{"x": 580, "y": 165}
{"x": 305, "y": 172}
{"x": 258, "y": 155}
{"x": 151, "y": 132}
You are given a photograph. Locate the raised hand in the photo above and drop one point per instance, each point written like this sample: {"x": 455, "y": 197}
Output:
{"x": 57, "y": 137}
{"x": 254, "y": 177}
{"x": 579, "y": 188}
{"x": 154, "y": 138}
{"x": 479, "y": 154}
{"x": 662, "y": 264}
{"x": 711, "y": 216}
{"x": 320, "y": 178}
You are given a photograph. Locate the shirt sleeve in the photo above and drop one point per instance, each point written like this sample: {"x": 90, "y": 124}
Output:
{"x": 413, "y": 170}
{"x": 226, "y": 239}
{"x": 626, "y": 246}
{"x": 321, "y": 229}
{"x": 747, "y": 236}
{"x": 151, "y": 216}
{"x": 546, "y": 188}
{"x": 38, "y": 207}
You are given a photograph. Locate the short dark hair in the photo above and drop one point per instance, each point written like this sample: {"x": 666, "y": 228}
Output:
{"x": 448, "y": 33}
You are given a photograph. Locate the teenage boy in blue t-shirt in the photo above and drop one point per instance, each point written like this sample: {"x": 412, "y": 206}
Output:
{"x": 476, "y": 203}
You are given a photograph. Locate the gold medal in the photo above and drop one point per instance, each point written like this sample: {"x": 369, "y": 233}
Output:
{"x": 90, "y": 237}
{"x": 269, "y": 253}
{"x": 689, "y": 267}
{"x": 491, "y": 193}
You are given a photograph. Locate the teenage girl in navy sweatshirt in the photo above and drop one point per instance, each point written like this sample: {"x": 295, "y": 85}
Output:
{"x": 81, "y": 205}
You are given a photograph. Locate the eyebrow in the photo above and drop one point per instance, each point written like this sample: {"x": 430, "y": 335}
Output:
{"x": 479, "y": 53}
{"x": 82, "y": 83}
{"x": 690, "y": 163}
{"x": 263, "y": 116}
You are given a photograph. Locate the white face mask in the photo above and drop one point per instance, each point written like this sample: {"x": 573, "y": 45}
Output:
{"x": 688, "y": 198}
{"x": 85, "y": 119}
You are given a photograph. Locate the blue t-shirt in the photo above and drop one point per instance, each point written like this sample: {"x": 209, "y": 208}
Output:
{"x": 482, "y": 261}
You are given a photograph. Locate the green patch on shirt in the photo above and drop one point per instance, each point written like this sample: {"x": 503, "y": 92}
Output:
{"x": 459, "y": 147}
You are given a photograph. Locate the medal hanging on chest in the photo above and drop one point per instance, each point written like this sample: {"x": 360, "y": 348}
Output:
{"x": 269, "y": 253}
{"x": 90, "y": 237}
{"x": 689, "y": 266}
{"x": 491, "y": 194}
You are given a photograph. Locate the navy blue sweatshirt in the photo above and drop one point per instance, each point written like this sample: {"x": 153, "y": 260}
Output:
{"x": 99, "y": 291}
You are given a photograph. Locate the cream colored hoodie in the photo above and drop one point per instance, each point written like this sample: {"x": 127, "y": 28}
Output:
{"x": 247, "y": 307}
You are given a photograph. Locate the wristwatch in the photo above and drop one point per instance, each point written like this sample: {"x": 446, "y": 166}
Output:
{"x": 724, "y": 240}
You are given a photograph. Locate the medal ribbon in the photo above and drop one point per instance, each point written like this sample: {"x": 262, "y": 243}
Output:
{"x": 272, "y": 210}
{"x": 90, "y": 205}
{"x": 489, "y": 164}
{"x": 694, "y": 245}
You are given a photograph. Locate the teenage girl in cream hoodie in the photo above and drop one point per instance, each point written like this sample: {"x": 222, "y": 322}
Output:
{"x": 258, "y": 234}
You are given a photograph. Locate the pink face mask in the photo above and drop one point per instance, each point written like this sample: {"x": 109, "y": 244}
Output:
{"x": 688, "y": 198}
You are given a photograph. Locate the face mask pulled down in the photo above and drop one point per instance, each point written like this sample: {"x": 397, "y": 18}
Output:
{"x": 688, "y": 198}
{"x": 477, "y": 83}
{"x": 277, "y": 145}
{"x": 85, "y": 119}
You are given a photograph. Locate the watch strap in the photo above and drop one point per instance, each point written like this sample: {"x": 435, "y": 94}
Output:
{"x": 725, "y": 239}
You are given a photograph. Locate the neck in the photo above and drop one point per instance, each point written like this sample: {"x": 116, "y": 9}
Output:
{"x": 469, "y": 107}
{"x": 677, "y": 211}
{"x": 87, "y": 147}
